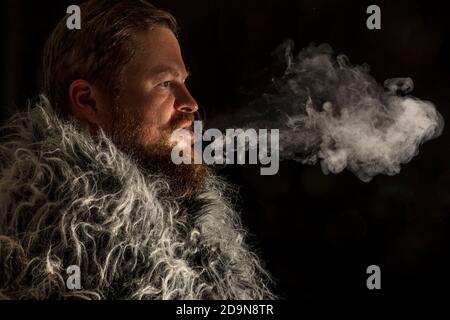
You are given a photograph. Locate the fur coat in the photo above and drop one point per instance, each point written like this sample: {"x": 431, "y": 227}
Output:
{"x": 68, "y": 199}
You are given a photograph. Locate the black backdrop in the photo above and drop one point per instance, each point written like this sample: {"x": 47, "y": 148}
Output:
{"x": 316, "y": 233}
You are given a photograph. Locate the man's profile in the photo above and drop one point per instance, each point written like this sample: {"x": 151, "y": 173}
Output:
{"x": 86, "y": 177}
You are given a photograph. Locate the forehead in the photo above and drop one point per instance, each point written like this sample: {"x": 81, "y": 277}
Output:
{"x": 157, "y": 47}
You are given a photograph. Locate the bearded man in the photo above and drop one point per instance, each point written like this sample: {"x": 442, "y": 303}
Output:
{"x": 86, "y": 177}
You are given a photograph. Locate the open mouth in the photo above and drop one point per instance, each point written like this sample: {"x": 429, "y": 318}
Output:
{"x": 189, "y": 126}
{"x": 184, "y": 135}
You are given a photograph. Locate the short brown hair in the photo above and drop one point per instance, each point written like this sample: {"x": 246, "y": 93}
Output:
{"x": 98, "y": 51}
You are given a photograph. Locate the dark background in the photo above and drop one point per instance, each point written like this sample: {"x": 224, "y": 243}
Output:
{"x": 316, "y": 233}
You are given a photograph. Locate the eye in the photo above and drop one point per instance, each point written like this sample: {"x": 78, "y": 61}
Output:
{"x": 165, "y": 84}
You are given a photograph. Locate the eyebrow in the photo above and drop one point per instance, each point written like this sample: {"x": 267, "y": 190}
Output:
{"x": 165, "y": 69}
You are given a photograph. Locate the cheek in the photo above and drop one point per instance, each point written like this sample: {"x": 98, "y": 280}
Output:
{"x": 153, "y": 115}
{"x": 157, "y": 111}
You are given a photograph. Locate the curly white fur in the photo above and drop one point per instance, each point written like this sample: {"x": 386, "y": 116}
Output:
{"x": 67, "y": 198}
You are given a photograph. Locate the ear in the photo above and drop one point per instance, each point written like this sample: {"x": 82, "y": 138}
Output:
{"x": 84, "y": 104}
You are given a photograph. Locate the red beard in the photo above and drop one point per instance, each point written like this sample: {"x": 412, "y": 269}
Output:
{"x": 155, "y": 158}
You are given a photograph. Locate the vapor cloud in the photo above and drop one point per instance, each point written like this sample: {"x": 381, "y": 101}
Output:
{"x": 335, "y": 113}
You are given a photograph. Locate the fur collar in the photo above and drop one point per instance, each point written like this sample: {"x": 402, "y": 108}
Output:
{"x": 67, "y": 199}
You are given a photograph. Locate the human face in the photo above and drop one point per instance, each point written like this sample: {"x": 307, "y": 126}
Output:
{"x": 154, "y": 99}
{"x": 154, "y": 102}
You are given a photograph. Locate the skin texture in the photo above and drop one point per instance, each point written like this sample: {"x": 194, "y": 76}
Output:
{"x": 154, "y": 99}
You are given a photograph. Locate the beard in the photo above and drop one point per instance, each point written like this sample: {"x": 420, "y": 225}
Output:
{"x": 127, "y": 133}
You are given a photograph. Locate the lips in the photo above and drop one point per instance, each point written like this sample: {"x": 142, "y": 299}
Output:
{"x": 188, "y": 125}
{"x": 185, "y": 132}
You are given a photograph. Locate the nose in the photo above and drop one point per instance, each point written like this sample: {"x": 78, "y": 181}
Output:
{"x": 185, "y": 102}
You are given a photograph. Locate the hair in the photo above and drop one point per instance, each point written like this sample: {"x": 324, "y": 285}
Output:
{"x": 99, "y": 51}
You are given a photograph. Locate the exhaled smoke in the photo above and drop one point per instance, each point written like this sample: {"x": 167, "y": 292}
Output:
{"x": 330, "y": 111}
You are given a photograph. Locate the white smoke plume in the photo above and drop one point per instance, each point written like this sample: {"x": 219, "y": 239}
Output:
{"x": 335, "y": 113}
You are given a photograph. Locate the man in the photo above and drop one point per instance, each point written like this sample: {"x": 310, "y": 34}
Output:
{"x": 86, "y": 180}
